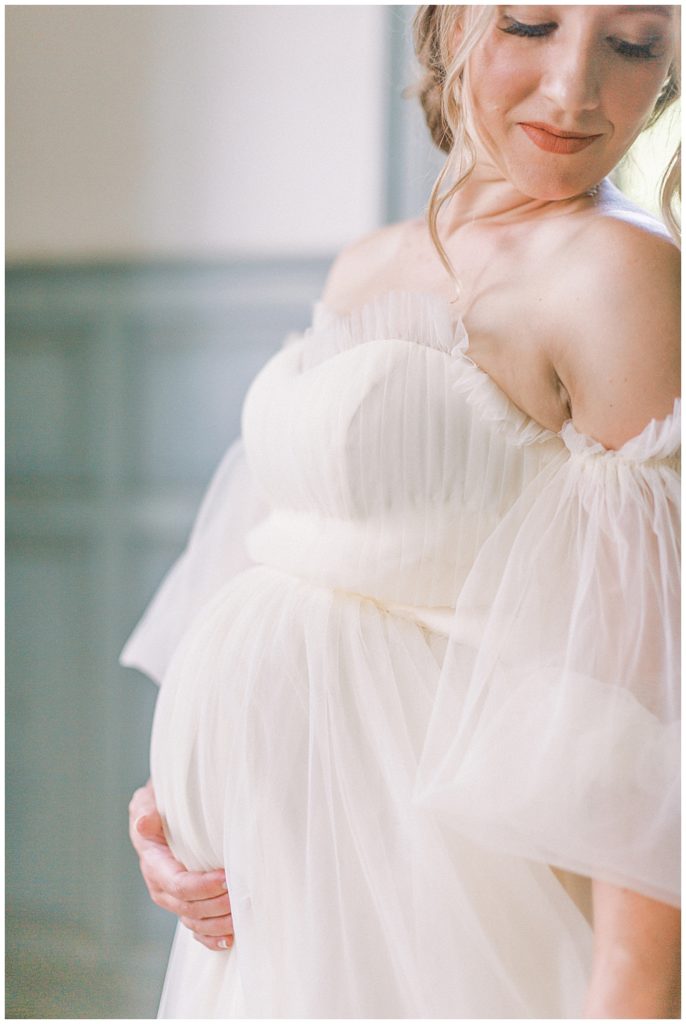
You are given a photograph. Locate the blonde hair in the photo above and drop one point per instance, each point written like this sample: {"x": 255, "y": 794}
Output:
{"x": 444, "y": 93}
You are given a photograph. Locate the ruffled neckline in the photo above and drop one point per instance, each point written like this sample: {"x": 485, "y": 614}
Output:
{"x": 658, "y": 441}
{"x": 428, "y": 319}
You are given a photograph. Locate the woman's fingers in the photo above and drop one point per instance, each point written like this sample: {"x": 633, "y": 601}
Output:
{"x": 192, "y": 894}
{"x": 149, "y": 826}
{"x": 160, "y": 867}
{"x": 194, "y": 886}
{"x": 216, "y": 945}
{"x": 199, "y": 898}
{"x": 216, "y": 927}
{"x": 145, "y": 823}
{"x": 200, "y": 910}
{"x": 142, "y": 801}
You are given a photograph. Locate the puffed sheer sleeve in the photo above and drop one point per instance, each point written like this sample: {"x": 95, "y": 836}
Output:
{"x": 555, "y": 731}
{"x": 215, "y": 552}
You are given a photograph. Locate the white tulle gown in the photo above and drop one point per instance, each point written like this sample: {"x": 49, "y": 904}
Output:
{"x": 419, "y": 685}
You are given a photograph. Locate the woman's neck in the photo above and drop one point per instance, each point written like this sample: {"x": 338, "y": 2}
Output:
{"x": 488, "y": 197}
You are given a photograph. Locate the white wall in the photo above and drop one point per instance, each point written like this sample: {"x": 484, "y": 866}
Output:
{"x": 193, "y": 130}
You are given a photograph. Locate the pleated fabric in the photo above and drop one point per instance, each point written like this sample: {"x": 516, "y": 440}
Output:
{"x": 419, "y": 685}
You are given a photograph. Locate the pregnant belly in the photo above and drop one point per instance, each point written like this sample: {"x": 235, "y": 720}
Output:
{"x": 285, "y": 746}
{"x": 281, "y": 695}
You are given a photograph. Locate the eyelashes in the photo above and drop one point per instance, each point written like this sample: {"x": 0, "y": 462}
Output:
{"x": 519, "y": 28}
{"x": 631, "y": 51}
{"x": 637, "y": 51}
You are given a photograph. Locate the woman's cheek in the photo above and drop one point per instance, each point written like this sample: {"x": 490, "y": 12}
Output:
{"x": 499, "y": 89}
{"x": 499, "y": 74}
{"x": 635, "y": 93}
{"x": 628, "y": 113}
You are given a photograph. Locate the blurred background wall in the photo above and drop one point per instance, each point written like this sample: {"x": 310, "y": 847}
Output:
{"x": 178, "y": 180}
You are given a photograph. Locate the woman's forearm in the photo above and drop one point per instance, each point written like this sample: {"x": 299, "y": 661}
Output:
{"x": 636, "y": 956}
{"x": 620, "y": 990}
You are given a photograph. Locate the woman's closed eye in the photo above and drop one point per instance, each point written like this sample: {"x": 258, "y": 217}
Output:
{"x": 649, "y": 50}
{"x": 521, "y": 28}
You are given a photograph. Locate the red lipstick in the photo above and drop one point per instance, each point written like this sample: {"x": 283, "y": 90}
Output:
{"x": 554, "y": 140}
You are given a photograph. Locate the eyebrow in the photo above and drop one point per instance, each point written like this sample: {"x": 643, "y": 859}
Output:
{"x": 646, "y": 9}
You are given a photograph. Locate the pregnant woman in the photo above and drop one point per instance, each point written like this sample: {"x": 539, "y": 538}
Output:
{"x": 418, "y": 664}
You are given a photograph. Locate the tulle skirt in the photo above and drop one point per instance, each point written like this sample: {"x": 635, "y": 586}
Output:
{"x": 285, "y": 747}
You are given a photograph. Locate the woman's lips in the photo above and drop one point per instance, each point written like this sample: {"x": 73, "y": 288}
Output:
{"x": 555, "y": 143}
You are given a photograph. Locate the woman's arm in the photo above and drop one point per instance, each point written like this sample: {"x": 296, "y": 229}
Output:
{"x": 198, "y": 898}
{"x": 636, "y": 956}
{"x": 621, "y": 364}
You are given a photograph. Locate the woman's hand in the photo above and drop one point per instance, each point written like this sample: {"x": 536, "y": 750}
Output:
{"x": 199, "y": 898}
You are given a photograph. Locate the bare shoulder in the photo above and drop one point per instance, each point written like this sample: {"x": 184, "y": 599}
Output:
{"x": 364, "y": 267}
{"x": 618, "y": 353}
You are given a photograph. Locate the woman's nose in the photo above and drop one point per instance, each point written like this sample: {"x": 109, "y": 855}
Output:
{"x": 572, "y": 80}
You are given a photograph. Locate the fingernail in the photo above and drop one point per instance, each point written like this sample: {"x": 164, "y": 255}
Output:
{"x": 225, "y": 943}
{"x": 139, "y": 819}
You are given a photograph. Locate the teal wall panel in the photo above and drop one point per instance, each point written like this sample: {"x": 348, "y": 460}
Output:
{"x": 54, "y": 717}
{"x": 185, "y": 391}
{"x": 48, "y": 405}
{"x": 124, "y": 387}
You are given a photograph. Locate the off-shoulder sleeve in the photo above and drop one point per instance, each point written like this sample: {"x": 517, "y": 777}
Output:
{"x": 555, "y": 731}
{"x": 215, "y": 552}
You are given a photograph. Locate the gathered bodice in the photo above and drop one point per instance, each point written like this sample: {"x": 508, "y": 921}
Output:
{"x": 386, "y": 455}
